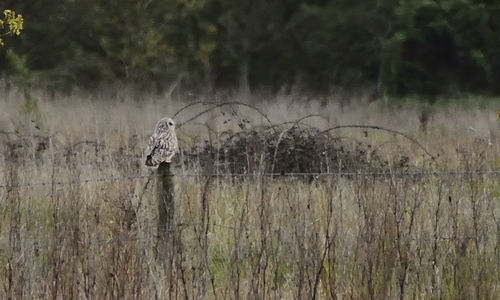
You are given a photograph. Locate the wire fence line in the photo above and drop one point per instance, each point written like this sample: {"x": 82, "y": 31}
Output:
{"x": 345, "y": 174}
{"x": 73, "y": 182}
{"x": 37, "y": 245}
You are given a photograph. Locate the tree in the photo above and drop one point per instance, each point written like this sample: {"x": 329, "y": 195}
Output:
{"x": 441, "y": 47}
{"x": 248, "y": 33}
{"x": 397, "y": 47}
{"x": 12, "y": 22}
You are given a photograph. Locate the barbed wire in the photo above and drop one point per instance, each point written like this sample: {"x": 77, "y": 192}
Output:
{"x": 290, "y": 174}
{"x": 73, "y": 182}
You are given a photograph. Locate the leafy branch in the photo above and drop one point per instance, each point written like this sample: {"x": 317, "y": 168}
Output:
{"x": 14, "y": 22}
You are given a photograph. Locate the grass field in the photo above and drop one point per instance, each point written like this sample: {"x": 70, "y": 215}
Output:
{"x": 79, "y": 215}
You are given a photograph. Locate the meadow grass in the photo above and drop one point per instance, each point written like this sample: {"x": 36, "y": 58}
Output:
{"x": 79, "y": 214}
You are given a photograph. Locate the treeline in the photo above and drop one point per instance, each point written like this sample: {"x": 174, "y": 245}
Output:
{"x": 398, "y": 47}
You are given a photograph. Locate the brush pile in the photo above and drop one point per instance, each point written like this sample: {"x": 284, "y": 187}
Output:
{"x": 293, "y": 150}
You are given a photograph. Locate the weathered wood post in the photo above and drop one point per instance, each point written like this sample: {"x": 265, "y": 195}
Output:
{"x": 165, "y": 198}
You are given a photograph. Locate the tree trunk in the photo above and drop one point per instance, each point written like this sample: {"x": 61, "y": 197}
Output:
{"x": 244, "y": 84}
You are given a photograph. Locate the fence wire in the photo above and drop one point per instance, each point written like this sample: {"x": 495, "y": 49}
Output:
{"x": 37, "y": 245}
{"x": 256, "y": 175}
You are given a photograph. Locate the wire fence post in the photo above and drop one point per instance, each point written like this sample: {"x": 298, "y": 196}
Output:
{"x": 165, "y": 198}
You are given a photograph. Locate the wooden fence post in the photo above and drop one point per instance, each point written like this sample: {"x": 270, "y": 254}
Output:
{"x": 165, "y": 198}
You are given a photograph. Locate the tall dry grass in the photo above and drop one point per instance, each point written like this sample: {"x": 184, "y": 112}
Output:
{"x": 79, "y": 215}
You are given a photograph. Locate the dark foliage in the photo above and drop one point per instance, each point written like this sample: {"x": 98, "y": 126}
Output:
{"x": 396, "y": 47}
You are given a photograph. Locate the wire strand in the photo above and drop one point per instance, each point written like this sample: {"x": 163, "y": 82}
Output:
{"x": 291, "y": 174}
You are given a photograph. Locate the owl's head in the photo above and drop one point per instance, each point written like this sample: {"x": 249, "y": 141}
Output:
{"x": 165, "y": 123}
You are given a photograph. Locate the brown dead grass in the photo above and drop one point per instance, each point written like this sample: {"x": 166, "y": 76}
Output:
{"x": 250, "y": 237}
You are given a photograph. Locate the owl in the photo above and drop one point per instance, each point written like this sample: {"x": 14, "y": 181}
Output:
{"x": 162, "y": 144}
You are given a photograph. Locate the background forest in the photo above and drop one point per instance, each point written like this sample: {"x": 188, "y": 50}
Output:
{"x": 402, "y": 47}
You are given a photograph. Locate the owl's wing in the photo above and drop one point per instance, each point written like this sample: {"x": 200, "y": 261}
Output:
{"x": 152, "y": 145}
